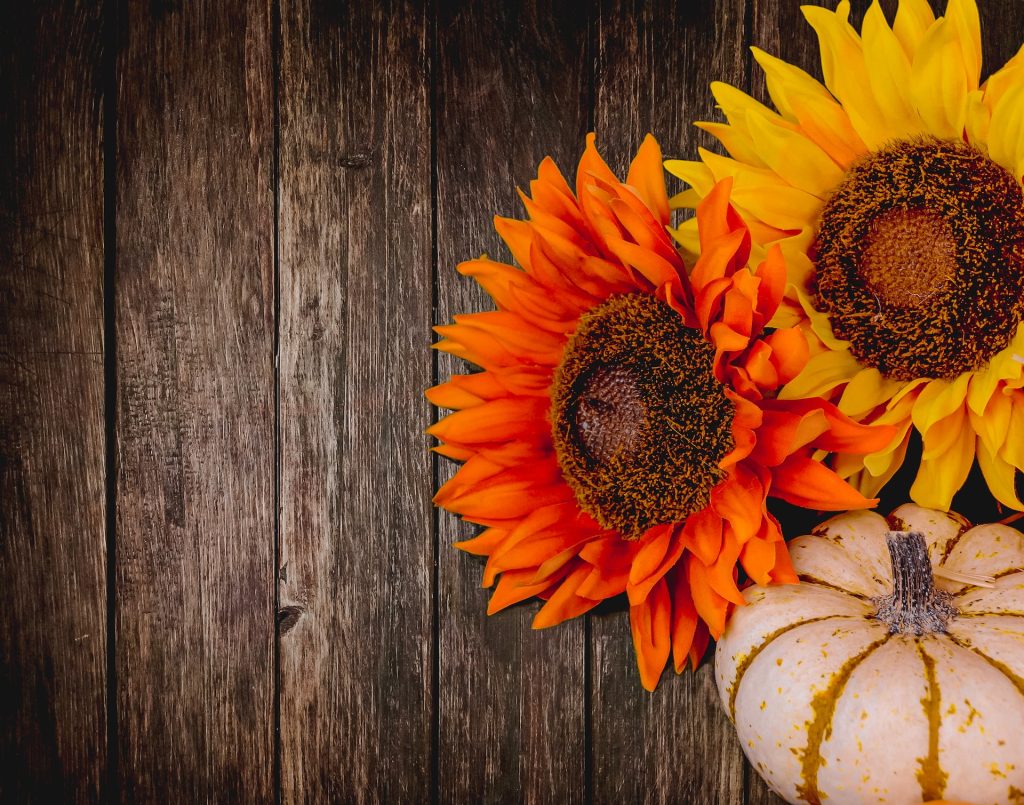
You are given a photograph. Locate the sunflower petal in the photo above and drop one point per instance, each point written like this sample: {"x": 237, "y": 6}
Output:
{"x": 940, "y": 476}
{"x": 564, "y": 603}
{"x": 711, "y": 607}
{"x": 684, "y": 620}
{"x": 939, "y": 82}
{"x": 1006, "y": 134}
{"x": 651, "y": 625}
{"x": 913, "y": 19}
{"x": 646, "y": 176}
{"x": 808, "y": 483}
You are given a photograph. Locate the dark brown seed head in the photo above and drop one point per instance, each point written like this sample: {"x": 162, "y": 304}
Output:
{"x": 919, "y": 259}
{"x": 638, "y": 419}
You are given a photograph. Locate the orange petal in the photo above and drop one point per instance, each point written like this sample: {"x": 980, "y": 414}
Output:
{"x": 740, "y": 500}
{"x": 700, "y": 645}
{"x": 454, "y": 453}
{"x": 808, "y": 483}
{"x": 758, "y": 559}
{"x": 647, "y": 176}
{"x": 564, "y": 603}
{"x": 772, "y": 273}
{"x": 783, "y": 433}
{"x": 789, "y": 352}
{"x": 711, "y": 607}
{"x": 651, "y": 624}
{"x": 493, "y": 422}
{"x": 722, "y": 574}
{"x": 843, "y": 434}
{"x": 716, "y": 219}
{"x": 512, "y": 588}
{"x": 684, "y": 619}
{"x": 702, "y": 533}
{"x": 641, "y": 582}
{"x": 484, "y": 543}
{"x": 783, "y": 572}
{"x": 760, "y": 367}
{"x": 518, "y": 236}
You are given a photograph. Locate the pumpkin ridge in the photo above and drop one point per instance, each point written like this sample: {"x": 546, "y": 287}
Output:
{"x": 747, "y": 661}
{"x": 823, "y": 705}
{"x": 931, "y": 777}
{"x": 806, "y": 578}
{"x": 1009, "y": 612}
{"x": 1005, "y": 670}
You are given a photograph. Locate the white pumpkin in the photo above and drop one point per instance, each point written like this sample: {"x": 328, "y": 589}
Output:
{"x": 853, "y": 688}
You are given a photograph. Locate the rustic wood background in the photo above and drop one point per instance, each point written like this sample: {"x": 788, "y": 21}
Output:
{"x": 226, "y": 229}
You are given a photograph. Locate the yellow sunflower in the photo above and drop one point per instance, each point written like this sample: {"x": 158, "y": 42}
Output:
{"x": 624, "y": 435}
{"x": 894, "y": 191}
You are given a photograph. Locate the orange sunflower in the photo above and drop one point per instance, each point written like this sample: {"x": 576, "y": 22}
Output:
{"x": 623, "y": 435}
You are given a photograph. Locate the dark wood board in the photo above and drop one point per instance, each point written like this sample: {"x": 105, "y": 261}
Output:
{"x": 195, "y": 402}
{"x": 512, "y": 86}
{"x": 357, "y": 552}
{"x": 53, "y": 638}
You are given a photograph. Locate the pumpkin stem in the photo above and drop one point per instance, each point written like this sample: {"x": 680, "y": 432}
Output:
{"x": 914, "y": 606}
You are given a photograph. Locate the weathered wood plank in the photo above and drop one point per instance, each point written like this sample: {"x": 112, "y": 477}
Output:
{"x": 356, "y": 575}
{"x": 654, "y": 63}
{"x": 195, "y": 402}
{"x": 512, "y": 87}
{"x": 53, "y": 639}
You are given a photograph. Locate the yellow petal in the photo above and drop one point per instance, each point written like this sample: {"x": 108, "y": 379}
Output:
{"x": 913, "y": 19}
{"x": 764, "y": 194}
{"x": 875, "y": 476}
{"x": 1009, "y": 75}
{"x": 938, "y": 82}
{"x": 1000, "y": 476}
{"x": 889, "y": 72}
{"x": 687, "y": 236}
{"x": 736, "y": 141}
{"x": 943, "y": 434}
{"x": 866, "y": 391}
{"x": 739, "y": 107}
{"x": 938, "y": 400}
{"x": 880, "y": 464}
{"x": 964, "y": 16}
{"x": 820, "y": 323}
{"x": 1006, "y": 132}
{"x": 939, "y": 477}
{"x": 1004, "y": 366}
{"x": 1013, "y": 446}
{"x": 993, "y": 423}
{"x": 823, "y": 372}
{"x": 694, "y": 173}
{"x": 801, "y": 99}
{"x": 977, "y": 120}
{"x": 846, "y": 76}
{"x": 795, "y": 158}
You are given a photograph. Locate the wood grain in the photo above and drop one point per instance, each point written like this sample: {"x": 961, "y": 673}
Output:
{"x": 195, "y": 391}
{"x": 512, "y": 87}
{"x": 653, "y": 68}
{"x": 356, "y": 575}
{"x": 53, "y": 639}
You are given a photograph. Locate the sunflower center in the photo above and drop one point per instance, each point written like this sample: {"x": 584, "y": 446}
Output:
{"x": 919, "y": 259}
{"x": 910, "y": 255}
{"x": 639, "y": 421}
